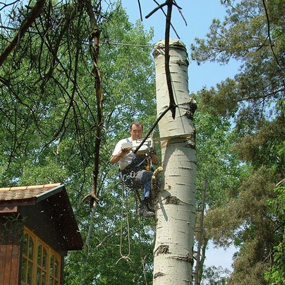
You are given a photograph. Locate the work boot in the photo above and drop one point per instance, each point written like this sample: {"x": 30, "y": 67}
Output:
{"x": 145, "y": 211}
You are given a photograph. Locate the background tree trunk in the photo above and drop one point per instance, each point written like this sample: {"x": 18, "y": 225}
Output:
{"x": 175, "y": 202}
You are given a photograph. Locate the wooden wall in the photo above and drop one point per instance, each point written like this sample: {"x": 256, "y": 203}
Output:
{"x": 9, "y": 264}
{"x": 10, "y": 254}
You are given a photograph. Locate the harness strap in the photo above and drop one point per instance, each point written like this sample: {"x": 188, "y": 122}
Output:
{"x": 130, "y": 182}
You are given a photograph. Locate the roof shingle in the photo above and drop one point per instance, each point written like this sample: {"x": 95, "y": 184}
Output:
{"x": 25, "y": 192}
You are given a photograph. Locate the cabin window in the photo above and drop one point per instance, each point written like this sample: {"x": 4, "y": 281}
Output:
{"x": 41, "y": 265}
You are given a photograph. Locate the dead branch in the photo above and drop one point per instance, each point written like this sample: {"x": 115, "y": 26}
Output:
{"x": 180, "y": 12}
{"x": 140, "y": 8}
{"x": 160, "y": 6}
{"x": 94, "y": 50}
{"x": 174, "y": 30}
{"x": 152, "y": 128}
{"x": 172, "y": 104}
{"x": 35, "y": 12}
{"x": 169, "y": 4}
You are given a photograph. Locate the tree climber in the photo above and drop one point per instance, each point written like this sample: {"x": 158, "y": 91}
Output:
{"x": 133, "y": 167}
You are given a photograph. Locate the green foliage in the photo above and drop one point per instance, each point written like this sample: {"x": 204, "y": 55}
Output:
{"x": 258, "y": 87}
{"x": 276, "y": 274}
{"x": 253, "y": 101}
{"x": 215, "y": 275}
{"x": 216, "y": 163}
{"x": 246, "y": 221}
{"x": 48, "y": 117}
{"x": 265, "y": 146}
{"x": 101, "y": 262}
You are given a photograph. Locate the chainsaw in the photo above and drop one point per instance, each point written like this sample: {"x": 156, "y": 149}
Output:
{"x": 145, "y": 148}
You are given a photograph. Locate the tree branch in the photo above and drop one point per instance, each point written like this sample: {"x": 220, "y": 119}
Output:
{"x": 268, "y": 33}
{"x": 172, "y": 104}
{"x": 94, "y": 50}
{"x": 22, "y": 30}
{"x": 140, "y": 8}
{"x": 152, "y": 128}
{"x": 262, "y": 96}
{"x": 161, "y": 7}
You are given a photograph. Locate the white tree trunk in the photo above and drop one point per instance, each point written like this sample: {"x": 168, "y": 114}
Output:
{"x": 175, "y": 203}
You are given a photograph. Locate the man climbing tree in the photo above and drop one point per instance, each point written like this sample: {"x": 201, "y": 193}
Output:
{"x": 135, "y": 170}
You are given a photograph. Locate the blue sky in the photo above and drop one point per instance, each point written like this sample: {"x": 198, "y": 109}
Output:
{"x": 198, "y": 15}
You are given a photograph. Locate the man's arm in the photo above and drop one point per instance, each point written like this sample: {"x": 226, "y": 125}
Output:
{"x": 115, "y": 158}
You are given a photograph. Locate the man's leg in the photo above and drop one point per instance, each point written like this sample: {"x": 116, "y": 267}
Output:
{"x": 143, "y": 178}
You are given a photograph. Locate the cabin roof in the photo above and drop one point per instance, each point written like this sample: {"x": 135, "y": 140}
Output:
{"x": 54, "y": 197}
{"x": 30, "y": 195}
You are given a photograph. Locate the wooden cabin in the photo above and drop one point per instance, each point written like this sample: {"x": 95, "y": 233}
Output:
{"x": 37, "y": 229}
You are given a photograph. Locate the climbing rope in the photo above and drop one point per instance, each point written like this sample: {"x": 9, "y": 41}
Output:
{"x": 127, "y": 257}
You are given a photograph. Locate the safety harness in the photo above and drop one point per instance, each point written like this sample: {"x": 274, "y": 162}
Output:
{"x": 128, "y": 174}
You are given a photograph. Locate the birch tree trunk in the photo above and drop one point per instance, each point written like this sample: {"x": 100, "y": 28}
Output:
{"x": 175, "y": 202}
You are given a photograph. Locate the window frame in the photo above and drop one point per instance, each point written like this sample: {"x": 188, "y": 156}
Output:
{"x": 52, "y": 276}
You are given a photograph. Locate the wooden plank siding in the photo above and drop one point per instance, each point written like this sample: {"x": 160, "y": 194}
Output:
{"x": 45, "y": 213}
{"x": 9, "y": 264}
{"x": 15, "y": 264}
{"x": 2, "y": 262}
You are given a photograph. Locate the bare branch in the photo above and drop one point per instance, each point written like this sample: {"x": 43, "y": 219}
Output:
{"x": 22, "y": 30}
{"x": 140, "y": 8}
{"x": 5, "y": 5}
{"x": 94, "y": 50}
{"x": 172, "y": 104}
{"x": 170, "y": 23}
{"x": 152, "y": 128}
{"x": 169, "y": 4}
{"x": 160, "y": 6}
{"x": 155, "y": 9}
{"x": 180, "y": 12}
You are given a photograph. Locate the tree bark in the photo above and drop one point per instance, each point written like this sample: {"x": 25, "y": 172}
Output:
{"x": 175, "y": 202}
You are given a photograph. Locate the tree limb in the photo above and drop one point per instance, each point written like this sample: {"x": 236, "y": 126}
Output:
{"x": 268, "y": 33}
{"x": 140, "y": 8}
{"x": 172, "y": 104}
{"x": 263, "y": 96}
{"x": 161, "y": 7}
{"x": 22, "y": 30}
{"x": 94, "y": 50}
{"x": 152, "y": 128}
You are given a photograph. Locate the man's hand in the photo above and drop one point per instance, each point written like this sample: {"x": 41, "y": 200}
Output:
{"x": 117, "y": 157}
{"x": 154, "y": 159}
{"x": 126, "y": 150}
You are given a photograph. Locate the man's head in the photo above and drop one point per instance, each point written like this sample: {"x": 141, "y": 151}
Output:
{"x": 136, "y": 130}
